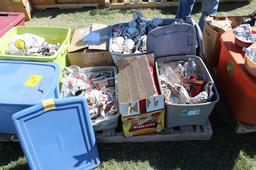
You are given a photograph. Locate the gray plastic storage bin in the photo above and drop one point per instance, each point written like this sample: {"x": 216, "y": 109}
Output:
{"x": 112, "y": 122}
{"x": 116, "y": 56}
{"x": 188, "y": 114}
{"x": 174, "y": 43}
{"x": 187, "y": 21}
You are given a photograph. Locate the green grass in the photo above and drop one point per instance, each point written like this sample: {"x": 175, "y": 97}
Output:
{"x": 226, "y": 150}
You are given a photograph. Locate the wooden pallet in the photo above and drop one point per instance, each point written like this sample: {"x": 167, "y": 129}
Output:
{"x": 142, "y": 5}
{"x": 67, "y": 6}
{"x": 182, "y": 133}
{"x": 163, "y": 3}
{"x": 245, "y": 128}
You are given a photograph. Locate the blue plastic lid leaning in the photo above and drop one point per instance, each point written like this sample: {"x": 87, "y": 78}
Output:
{"x": 25, "y": 82}
{"x": 57, "y": 134}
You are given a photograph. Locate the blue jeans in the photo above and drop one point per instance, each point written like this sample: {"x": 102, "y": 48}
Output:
{"x": 208, "y": 7}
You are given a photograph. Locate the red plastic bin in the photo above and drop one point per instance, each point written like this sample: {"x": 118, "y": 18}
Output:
{"x": 238, "y": 85}
{"x": 9, "y": 20}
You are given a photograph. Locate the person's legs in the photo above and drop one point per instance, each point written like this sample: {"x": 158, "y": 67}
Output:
{"x": 185, "y": 8}
{"x": 209, "y": 7}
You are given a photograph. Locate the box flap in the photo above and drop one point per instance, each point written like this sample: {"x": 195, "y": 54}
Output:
{"x": 99, "y": 37}
{"x": 134, "y": 81}
{"x": 95, "y": 37}
{"x": 57, "y": 134}
{"x": 91, "y": 58}
{"x": 124, "y": 62}
{"x": 77, "y": 40}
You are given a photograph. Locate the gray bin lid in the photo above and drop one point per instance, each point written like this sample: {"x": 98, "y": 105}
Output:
{"x": 172, "y": 40}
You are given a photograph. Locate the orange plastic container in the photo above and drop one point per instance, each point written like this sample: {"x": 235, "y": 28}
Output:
{"x": 238, "y": 85}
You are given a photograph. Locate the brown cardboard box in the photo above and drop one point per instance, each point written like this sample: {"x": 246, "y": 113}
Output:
{"x": 17, "y": 6}
{"x": 43, "y": 2}
{"x": 92, "y": 52}
{"x": 211, "y": 38}
{"x": 137, "y": 89}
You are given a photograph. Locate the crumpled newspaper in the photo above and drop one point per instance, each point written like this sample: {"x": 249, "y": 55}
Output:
{"x": 31, "y": 44}
{"x": 131, "y": 38}
{"x": 172, "y": 76}
{"x": 221, "y": 25}
{"x": 97, "y": 87}
{"x": 244, "y": 33}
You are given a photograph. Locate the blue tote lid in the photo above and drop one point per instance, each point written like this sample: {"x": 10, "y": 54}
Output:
{"x": 57, "y": 134}
{"x": 24, "y": 82}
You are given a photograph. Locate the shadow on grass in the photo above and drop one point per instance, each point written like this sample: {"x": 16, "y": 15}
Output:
{"x": 53, "y": 13}
{"x": 9, "y": 151}
{"x": 20, "y": 167}
{"x": 221, "y": 152}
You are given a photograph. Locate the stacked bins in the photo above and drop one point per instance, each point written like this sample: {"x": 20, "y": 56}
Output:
{"x": 109, "y": 123}
{"x": 188, "y": 20}
{"x": 24, "y": 84}
{"x": 51, "y": 34}
{"x": 238, "y": 84}
{"x": 9, "y": 20}
{"x": 182, "y": 40}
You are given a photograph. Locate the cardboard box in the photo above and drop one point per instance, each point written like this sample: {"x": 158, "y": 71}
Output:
{"x": 17, "y": 6}
{"x": 138, "y": 91}
{"x": 211, "y": 38}
{"x": 90, "y": 51}
{"x": 147, "y": 123}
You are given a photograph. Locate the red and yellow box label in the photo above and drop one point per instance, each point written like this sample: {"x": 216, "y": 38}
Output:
{"x": 152, "y": 122}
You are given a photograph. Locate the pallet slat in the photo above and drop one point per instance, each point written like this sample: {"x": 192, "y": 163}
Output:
{"x": 245, "y": 128}
{"x": 110, "y": 132}
{"x": 66, "y": 6}
{"x": 183, "y": 134}
{"x": 164, "y": 3}
{"x": 142, "y": 5}
{"x": 8, "y": 138}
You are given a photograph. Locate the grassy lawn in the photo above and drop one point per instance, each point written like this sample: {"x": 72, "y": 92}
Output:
{"x": 226, "y": 149}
